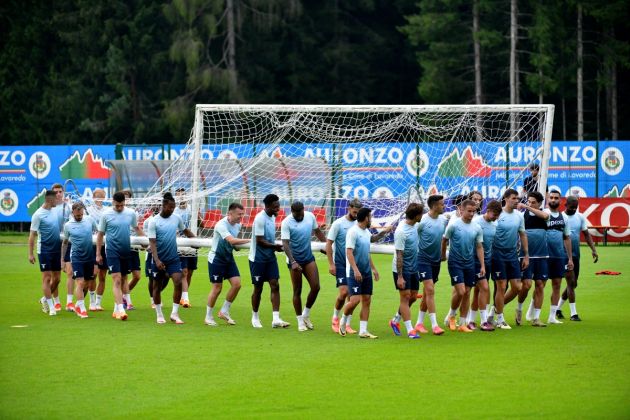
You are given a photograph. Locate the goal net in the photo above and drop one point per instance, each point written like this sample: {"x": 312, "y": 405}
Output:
{"x": 324, "y": 156}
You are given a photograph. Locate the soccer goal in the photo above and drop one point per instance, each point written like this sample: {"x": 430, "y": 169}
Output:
{"x": 324, "y": 156}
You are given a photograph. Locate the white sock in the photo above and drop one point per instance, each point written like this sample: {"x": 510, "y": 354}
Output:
{"x": 397, "y": 317}
{"x": 472, "y": 316}
{"x": 99, "y": 299}
{"x": 348, "y": 319}
{"x": 336, "y": 312}
{"x": 56, "y": 300}
{"x": 552, "y": 311}
{"x": 152, "y": 302}
{"x": 536, "y": 313}
{"x": 500, "y": 318}
{"x": 306, "y": 312}
{"x": 116, "y": 308}
{"x": 81, "y": 305}
{"x": 519, "y": 306}
{"x": 560, "y": 303}
{"x": 158, "y": 309}
{"x": 276, "y": 316}
{"x": 462, "y": 320}
{"x": 433, "y": 320}
{"x": 226, "y": 307}
{"x": 185, "y": 295}
{"x": 362, "y": 327}
{"x": 92, "y": 297}
{"x": 255, "y": 316}
{"x": 69, "y": 298}
{"x": 175, "y": 310}
{"x": 343, "y": 320}
{"x": 421, "y": 316}
{"x": 128, "y": 298}
{"x": 51, "y": 304}
{"x": 573, "y": 309}
{"x": 452, "y": 312}
{"x": 209, "y": 311}
{"x": 300, "y": 319}
{"x": 483, "y": 314}
{"x": 408, "y": 326}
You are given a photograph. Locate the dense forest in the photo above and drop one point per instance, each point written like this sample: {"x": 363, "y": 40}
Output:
{"x": 131, "y": 71}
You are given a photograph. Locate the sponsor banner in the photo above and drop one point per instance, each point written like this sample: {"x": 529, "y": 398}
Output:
{"x": 607, "y": 212}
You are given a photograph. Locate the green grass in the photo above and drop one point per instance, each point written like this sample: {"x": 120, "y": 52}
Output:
{"x": 63, "y": 366}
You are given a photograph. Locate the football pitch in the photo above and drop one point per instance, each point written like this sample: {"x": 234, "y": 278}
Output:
{"x": 54, "y": 367}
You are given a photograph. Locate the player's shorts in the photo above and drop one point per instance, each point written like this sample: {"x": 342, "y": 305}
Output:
{"x": 412, "y": 281}
{"x": 117, "y": 264}
{"x": 134, "y": 260}
{"x": 461, "y": 274}
{"x": 103, "y": 265}
{"x": 84, "y": 270}
{"x": 302, "y": 263}
{"x": 148, "y": 265}
{"x": 264, "y": 271}
{"x": 66, "y": 256}
{"x": 49, "y": 261}
{"x": 557, "y": 267}
{"x": 429, "y": 271}
{"x": 219, "y": 271}
{"x": 506, "y": 269}
{"x": 172, "y": 267}
{"x": 341, "y": 279}
{"x": 189, "y": 262}
{"x": 537, "y": 270}
{"x": 364, "y": 287}
{"x": 488, "y": 264}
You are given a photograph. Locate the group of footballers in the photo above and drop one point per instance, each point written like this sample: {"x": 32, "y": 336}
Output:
{"x": 514, "y": 244}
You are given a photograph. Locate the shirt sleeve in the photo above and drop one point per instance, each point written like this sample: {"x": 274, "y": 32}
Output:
{"x": 583, "y": 224}
{"x": 521, "y": 222}
{"x": 285, "y": 232}
{"x": 222, "y": 230}
{"x": 180, "y": 224}
{"x": 151, "y": 231}
{"x": 102, "y": 226}
{"x": 479, "y": 237}
{"x": 399, "y": 240}
{"x": 259, "y": 225}
{"x": 567, "y": 229}
{"x": 332, "y": 233}
{"x": 134, "y": 220}
{"x": 66, "y": 232}
{"x": 351, "y": 239}
{"x": 312, "y": 216}
{"x": 448, "y": 232}
{"x": 35, "y": 220}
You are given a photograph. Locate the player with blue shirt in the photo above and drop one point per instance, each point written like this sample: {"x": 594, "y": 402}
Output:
{"x": 360, "y": 271}
{"x": 45, "y": 231}
{"x": 221, "y": 263}
{"x": 537, "y": 271}
{"x": 189, "y": 259}
{"x": 162, "y": 233}
{"x": 481, "y": 296}
{"x": 134, "y": 263}
{"x": 115, "y": 226}
{"x": 560, "y": 252}
{"x": 405, "y": 268}
{"x": 466, "y": 241}
{"x": 295, "y": 232}
{"x": 263, "y": 264}
{"x": 505, "y": 261}
{"x": 96, "y": 290}
{"x": 430, "y": 231}
{"x": 78, "y": 232}
{"x": 62, "y": 211}
{"x": 577, "y": 225}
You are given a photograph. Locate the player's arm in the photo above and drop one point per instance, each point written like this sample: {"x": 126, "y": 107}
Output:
{"x": 64, "y": 246}
{"x": 99, "y": 245}
{"x": 32, "y": 237}
{"x": 319, "y": 234}
{"x": 378, "y": 236}
{"x": 353, "y": 264}
{"x": 400, "y": 281}
{"x": 539, "y": 213}
{"x": 444, "y": 245}
{"x": 479, "y": 251}
{"x": 568, "y": 248}
{"x": 525, "y": 248}
{"x": 591, "y": 244}
{"x": 329, "y": 254}
{"x": 374, "y": 270}
{"x": 153, "y": 246}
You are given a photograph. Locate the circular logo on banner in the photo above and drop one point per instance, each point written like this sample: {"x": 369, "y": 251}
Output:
{"x": 612, "y": 161}
{"x": 39, "y": 165}
{"x": 8, "y": 202}
{"x": 417, "y": 166}
{"x": 383, "y": 192}
{"x": 576, "y": 191}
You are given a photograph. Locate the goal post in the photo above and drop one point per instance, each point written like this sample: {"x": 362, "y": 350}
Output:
{"x": 326, "y": 155}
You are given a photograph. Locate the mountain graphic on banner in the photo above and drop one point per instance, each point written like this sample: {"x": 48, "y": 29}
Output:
{"x": 87, "y": 166}
{"x": 466, "y": 164}
{"x": 36, "y": 202}
{"x": 614, "y": 192}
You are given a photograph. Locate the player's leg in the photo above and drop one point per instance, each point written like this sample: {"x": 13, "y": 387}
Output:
{"x": 539, "y": 291}
{"x": 484, "y": 299}
{"x": 427, "y": 305}
{"x": 274, "y": 287}
{"x": 353, "y": 300}
{"x": 235, "y": 286}
{"x": 403, "y": 312}
{"x": 257, "y": 282}
{"x": 474, "y": 307}
{"x": 215, "y": 273}
{"x": 54, "y": 287}
{"x": 118, "y": 294}
{"x": 342, "y": 295}
{"x": 191, "y": 266}
{"x": 296, "y": 283}
{"x": 175, "y": 271}
{"x": 556, "y": 272}
{"x": 311, "y": 274}
{"x": 159, "y": 277}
